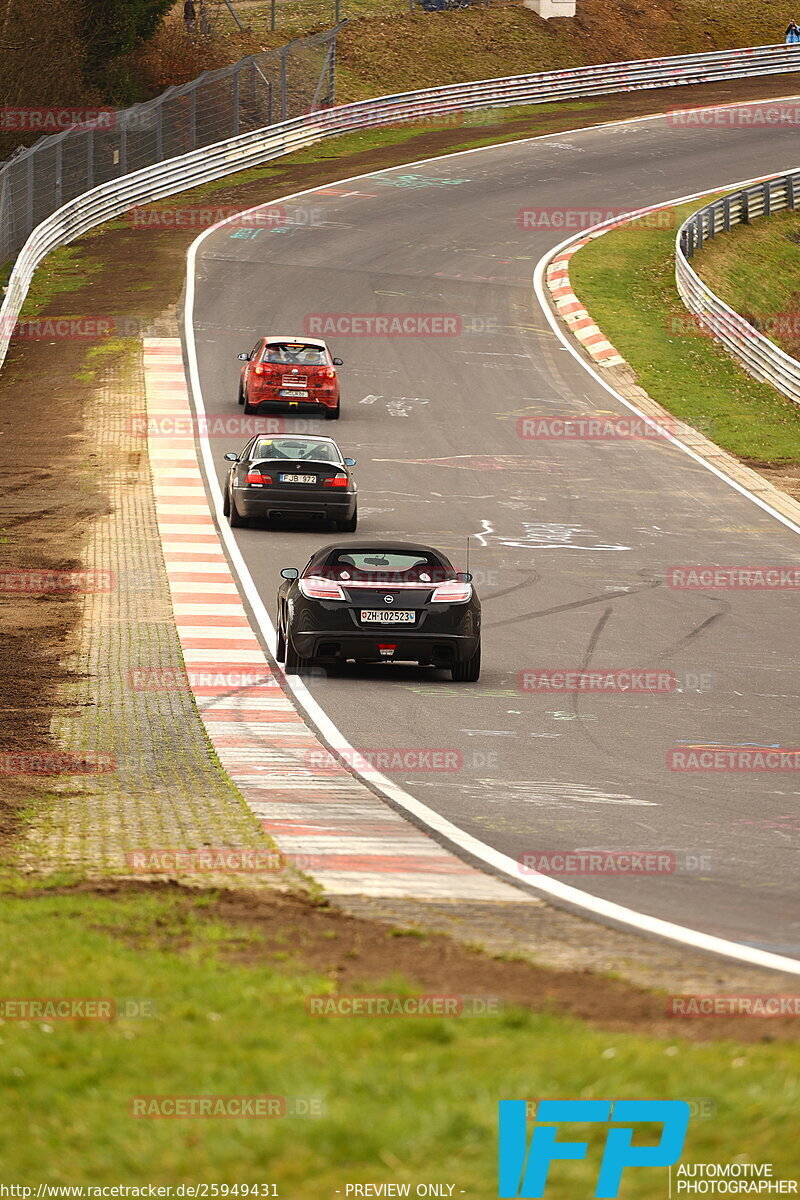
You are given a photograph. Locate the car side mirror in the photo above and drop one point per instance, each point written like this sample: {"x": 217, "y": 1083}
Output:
{"x": 290, "y": 573}
{"x": 243, "y": 357}
{"x": 338, "y": 362}
{"x": 464, "y": 577}
{"x": 349, "y": 462}
{"x": 231, "y": 457}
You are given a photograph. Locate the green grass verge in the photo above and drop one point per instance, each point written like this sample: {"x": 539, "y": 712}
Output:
{"x": 626, "y": 280}
{"x": 756, "y": 270}
{"x": 404, "y": 1099}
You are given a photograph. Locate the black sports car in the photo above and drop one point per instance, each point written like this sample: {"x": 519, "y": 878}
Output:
{"x": 277, "y": 476}
{"x": 379, "y": 601}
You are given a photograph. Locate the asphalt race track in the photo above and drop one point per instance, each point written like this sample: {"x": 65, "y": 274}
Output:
{"x": 571, "y": 540}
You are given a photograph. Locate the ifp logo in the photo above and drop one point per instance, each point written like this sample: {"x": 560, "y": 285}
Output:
{"x": 523, "y": 1170}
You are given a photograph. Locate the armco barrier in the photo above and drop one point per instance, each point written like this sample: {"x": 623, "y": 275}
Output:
{"x": 757, "y": 353}
{"x": 251, "y": 149}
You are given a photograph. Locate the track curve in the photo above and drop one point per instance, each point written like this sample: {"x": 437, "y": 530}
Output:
{"x": 574, "y": 538}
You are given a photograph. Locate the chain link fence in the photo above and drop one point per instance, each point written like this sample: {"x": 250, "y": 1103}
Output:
{"x": 260, "y": 90}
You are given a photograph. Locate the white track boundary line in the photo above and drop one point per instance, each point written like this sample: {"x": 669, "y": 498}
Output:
{"x": 592, "y": 905}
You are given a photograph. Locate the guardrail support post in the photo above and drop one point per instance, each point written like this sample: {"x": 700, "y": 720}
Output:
{"x": 767, "y": 198}
{"x": 712, "y": 223}
{"x": 790, "y": 191}
{"x": 726, "y": 213}
{"x": 29, "y": 194}
{"x": 745, "y": 208}
{"x": 59, "y": 162}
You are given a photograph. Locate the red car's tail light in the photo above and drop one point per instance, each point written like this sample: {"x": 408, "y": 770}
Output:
{"x": 452, "y": 592}
{"x": 314, "y": 588}
{"x": 335, "y": 481}
{"x": 257, "y": 477}
{"x": 259, "y": 369}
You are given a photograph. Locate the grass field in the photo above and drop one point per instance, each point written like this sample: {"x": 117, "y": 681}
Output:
{"x": 756, "y": 270}
{"x": 400, "y": 1099}
{"x": 626, "y": 280}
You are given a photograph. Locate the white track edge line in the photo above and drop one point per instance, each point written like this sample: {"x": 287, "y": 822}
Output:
{"x": 500, "y": 862}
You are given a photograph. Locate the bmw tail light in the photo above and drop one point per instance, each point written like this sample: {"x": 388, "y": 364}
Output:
{"x": 315, "y": 588}
{"x": 452, "y": 592}
{"x": 256, "y": 477}
{"x": 335, "y": 481}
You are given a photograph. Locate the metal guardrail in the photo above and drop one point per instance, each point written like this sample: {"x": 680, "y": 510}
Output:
{"x": 760, "y": 356}
{"x": 259, "y": 146}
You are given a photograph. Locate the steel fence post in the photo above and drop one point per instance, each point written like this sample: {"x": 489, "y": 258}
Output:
{"x": 283, "y": 85}
{"x": 89, "y": 159}
{"x": 59, "y": 163}
{"x": 160, "y": 133}
{"x": 29, "y": 194}
{"x": 193, "y": 119}
{"x": 235, "y": 103}
{"x": 272, "y": 14}
{"x": 123, "y": 148}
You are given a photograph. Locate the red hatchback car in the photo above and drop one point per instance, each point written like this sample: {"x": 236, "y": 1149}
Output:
{"x": 290, "y": 373}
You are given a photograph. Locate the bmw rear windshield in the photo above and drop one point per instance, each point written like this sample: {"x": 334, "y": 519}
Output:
{"x": 384, "y": 567}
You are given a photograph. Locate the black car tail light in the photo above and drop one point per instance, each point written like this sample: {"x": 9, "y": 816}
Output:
{"x": 335, "y": 481}
{"x": 257, "y": 478}
{"x": 315, "y": 588}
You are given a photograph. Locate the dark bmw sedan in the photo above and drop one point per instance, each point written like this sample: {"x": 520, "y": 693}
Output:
{"x": 295, "y": 477}
{"x": 379, "y": 602}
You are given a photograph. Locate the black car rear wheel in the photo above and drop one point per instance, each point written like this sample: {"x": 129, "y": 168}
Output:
{"x": 295, "y": 663}
{"x": 226, "y": 501}
{"x": 280, "y": 644}
{"x": 234, "y": 519}
{"x": 468, "y": 671}
{"x": 350, "y": 525}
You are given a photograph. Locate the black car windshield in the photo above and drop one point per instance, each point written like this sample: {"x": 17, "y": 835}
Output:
{"x": 295, "y": 354}
{"x": 385, "y": 566}
{"x": 296, "y": 448}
